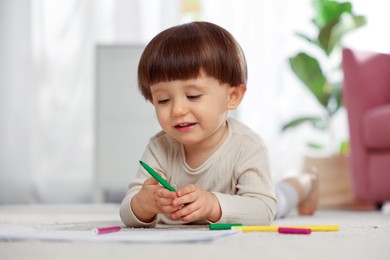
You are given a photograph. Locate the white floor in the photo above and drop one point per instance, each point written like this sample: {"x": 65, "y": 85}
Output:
{"x": 362, "y": 235}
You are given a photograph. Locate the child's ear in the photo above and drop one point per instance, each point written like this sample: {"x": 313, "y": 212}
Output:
{"x": 236, "y": 94}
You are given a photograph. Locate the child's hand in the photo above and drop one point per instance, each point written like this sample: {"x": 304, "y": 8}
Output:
{"x": 152, "y": 199}
{"x": 197, "y": 204}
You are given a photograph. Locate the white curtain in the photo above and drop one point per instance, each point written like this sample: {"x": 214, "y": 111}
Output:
{"x": 47, "y": 88}
{"x": 47, "y": 80}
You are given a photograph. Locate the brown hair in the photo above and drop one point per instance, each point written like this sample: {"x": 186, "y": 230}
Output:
{"x": 183, "y": 51}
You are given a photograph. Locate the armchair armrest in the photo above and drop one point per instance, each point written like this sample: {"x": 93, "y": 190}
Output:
{"x": 376, "y": 128}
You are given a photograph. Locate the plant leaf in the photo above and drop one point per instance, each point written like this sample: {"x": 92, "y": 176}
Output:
{"x": 315, "y": 145}
{"x": 305, "y": 37}
{"x": 328, "y": 11}
{"x": 315, "y": 121}
{"x": 344, "y": 147}
{"x": 324, "y": 37}
{"x": 345, "y": 24}
{"x": 334, "y": 20}
{"x": 308, "y": 70}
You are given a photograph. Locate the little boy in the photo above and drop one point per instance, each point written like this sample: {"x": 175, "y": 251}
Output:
{"x": 193, "y": 74}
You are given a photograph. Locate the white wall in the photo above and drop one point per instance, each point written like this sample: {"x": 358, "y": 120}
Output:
{"x": 17, "y": 87}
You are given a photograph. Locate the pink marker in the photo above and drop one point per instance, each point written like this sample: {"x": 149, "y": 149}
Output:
{"x": 290, "y": 230}
{"x": 105, "y": 230}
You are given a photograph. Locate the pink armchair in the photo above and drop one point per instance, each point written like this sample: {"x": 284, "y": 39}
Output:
{"x": 367, "y": 100}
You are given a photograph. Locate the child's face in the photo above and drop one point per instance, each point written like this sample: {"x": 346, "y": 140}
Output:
{"x": 193, "y": 111}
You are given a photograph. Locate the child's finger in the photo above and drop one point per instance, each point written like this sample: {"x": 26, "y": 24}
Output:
{"x": 186, "y": 212}
{"x": 168, "y": 209}
{"x": 186, "y": 189}
{"x": 184, "y": 200}
{"x": 151, "y": 181}
{"x": 163, "y": 201}
{"x": 190, "y": 217}
{"x": 167, "y": 194}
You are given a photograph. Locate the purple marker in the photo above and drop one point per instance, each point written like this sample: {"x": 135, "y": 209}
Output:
{"x": 290, "y": 230}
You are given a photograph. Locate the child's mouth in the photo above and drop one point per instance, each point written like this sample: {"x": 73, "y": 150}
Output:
{"x": 184, "y": 125}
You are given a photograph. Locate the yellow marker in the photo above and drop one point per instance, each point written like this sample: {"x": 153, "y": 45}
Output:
{"x": 313, "y": 228}
{"x": 256, "y": 228}
{"x": 322, "y": 228}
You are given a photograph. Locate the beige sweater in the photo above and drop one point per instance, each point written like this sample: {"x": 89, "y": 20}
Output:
{"x": 237, "y": 173}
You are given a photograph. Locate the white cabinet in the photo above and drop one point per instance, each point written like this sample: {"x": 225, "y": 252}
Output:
{"x": 124, "y": 120}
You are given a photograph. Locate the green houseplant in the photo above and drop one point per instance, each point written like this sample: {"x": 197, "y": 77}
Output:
{"x": 321, "y": 74}
{"x": 333, "y": 20}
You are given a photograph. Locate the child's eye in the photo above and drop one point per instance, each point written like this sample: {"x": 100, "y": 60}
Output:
{"x": 194, "y": 97}
{"x": 163, "y": 101}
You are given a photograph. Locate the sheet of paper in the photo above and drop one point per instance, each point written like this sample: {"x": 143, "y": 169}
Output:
{"x": 16, "y": 232}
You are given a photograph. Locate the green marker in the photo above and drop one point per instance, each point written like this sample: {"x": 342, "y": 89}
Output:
{"x": 217, "y": 226}
{"x": 155, "y": 175}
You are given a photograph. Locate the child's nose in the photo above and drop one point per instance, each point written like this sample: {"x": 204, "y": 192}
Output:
{"x": 179, "y": 108}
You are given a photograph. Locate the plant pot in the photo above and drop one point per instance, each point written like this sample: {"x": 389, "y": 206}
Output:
{"x": 335, "y": 184}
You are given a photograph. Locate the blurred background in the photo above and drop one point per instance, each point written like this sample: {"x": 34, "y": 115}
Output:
{"x": 49, "y": 74}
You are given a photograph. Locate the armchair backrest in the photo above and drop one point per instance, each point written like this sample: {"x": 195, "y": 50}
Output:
{"x": 366, "y": 79}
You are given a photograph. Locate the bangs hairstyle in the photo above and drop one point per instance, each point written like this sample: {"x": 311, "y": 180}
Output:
{"x": 183, "y": 52}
